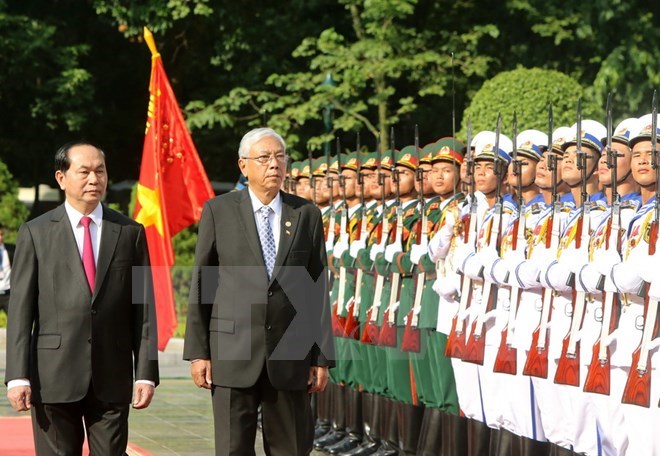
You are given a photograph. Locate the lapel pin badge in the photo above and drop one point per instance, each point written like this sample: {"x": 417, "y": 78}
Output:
{"x": 288, "y": 233}
{"x": 287, "y": 223}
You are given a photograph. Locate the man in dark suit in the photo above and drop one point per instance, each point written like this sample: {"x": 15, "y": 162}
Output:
{"x": 258, "y": 329}
{"x": 75, "y": 333}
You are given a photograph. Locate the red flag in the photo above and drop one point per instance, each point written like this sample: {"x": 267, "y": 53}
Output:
{"x": 172, "y": 188}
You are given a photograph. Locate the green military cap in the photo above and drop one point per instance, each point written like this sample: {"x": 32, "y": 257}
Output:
{"x": 334, "y": 164}
{"x": 349, "y": 161}
{"x": 427, "y": 153}
{"x": 294, "y": 172}
{"x": 407, "y": 157}
{"x": 386, "y": 161}
{"x": 369, "y": 160}
{"x": 304, "y": 169}
{"x": 320, "y": 166}
{"x": 449, "y": 150}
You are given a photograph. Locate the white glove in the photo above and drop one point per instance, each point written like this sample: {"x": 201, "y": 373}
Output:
{"x": 446, "y": 288}
{"x": 605, "y": 259}
{"x": 417, "y": 251}
{"x": 573, "y": 259}
{"x": 392, "y": 250}
{"x": 488, "y": 257}
{"x": 356, "y": 246}
{"x": 589, "y": 278}
{"x": 375, "y": 250}
{"x": 473, "y": 268}
{"x": 339, "y": 249}
{"x": 647, "y": 266}
{"x": 329, "y": 245}
{"x": 440, "y": 243}
{"x": 450, "y": 219}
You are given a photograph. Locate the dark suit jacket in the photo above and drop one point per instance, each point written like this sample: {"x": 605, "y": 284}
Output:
{"x": 60, "y": 336}
{"x": 237, "y": 317}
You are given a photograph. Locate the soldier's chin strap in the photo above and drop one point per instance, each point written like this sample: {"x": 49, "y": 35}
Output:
{"x": 619, "y": 181}
{"x": 589, "y": 174}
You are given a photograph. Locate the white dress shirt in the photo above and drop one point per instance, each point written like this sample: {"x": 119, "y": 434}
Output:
{"x": 275, "y": 216}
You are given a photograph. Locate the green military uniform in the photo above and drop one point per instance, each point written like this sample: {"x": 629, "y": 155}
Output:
{"x": 374, "y": 374}
{"x": 398, "y": 371}
{"x": 433, "y": 371}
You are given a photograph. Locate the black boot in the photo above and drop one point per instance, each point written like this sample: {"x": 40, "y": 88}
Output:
{"x": 389, "y": 435}
{"x": 556, "y": 450}
{"x": 323, "y": 423}
{"x": 353, "y": 423}
{"x": 503, "y": 443}
{"x": 338, "y": 431}
{"x": 409, "y": 425}
{"x": 430, "y": 435}
{"x": 454, "y": 438}
{"x": 531, "y": 447}
{"x": 369, "y": 444}
{"x": 478, "y": 438}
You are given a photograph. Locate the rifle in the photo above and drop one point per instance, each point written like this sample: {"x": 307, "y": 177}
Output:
{"x": 343, "y": 236}
{"x": 536, "y": 364}
{"x": 410, "y": 341}
{"x": 598, "y": 374}
{"x": 330, "y": 241}
{"x": 371, "y": 331}
{"x": 312, "y": 180}
{"x": 455, "y": 346}
{"x": 352, "y": 326}
{"x": 507, "y": 355}
{"x": 476, "y": 344}
{"x": 638, "y": 386}
{"x": 387, "y": 336}
{"x": 568, "y": 366}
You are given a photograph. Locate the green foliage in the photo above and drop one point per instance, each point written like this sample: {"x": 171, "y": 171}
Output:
{"x": 44, "y": 88}
{"x": 184, "y": 251}
{"x": 382, "y": 70}
{"x": 12, "y": 212}
{"x": 528, "y": 92}
{"x": 160, "y": 15}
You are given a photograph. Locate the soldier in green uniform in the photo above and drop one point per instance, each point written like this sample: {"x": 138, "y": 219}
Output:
{"x": 433, "y": 372}
{"x": 349, "y": 222}
{"x": 400, "y": 384}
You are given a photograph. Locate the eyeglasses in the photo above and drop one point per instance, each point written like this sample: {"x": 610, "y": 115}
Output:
{"x": 265, "y": 159}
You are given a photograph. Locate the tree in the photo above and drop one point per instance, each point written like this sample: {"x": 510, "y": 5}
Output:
{"x": 383, "y": 69}
{"x": 12, "y": 212}
{"x": 528, "y": 92}
{"x": 43, "y": 88}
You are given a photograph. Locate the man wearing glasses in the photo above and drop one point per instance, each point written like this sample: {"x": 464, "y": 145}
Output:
{"x": 258, "y": 330}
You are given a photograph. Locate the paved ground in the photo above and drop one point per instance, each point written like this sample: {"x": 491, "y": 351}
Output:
{"x": 179, "y": 420}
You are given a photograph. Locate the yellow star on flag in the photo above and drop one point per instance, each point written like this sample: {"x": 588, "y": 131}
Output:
{"x": 150, "y": 213}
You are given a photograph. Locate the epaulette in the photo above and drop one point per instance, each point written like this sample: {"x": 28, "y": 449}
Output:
{"x": 597, "y": 206}
{"x": 629, "y": 204}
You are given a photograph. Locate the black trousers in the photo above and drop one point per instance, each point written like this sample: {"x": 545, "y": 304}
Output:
{"x": 59, "y": 429}
{"x": 288, "y": 426}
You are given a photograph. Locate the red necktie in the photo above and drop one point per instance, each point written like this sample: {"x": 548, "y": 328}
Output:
{"x": 88, "y": 254}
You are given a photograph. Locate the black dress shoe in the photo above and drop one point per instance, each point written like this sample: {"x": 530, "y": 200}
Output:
{"x": 348, "y": 443}
{"x": 329, "y": 439}
{"x": 366, "y": 448}
{"x": 320, "y": 431}
{"x": 387, "y": 449}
